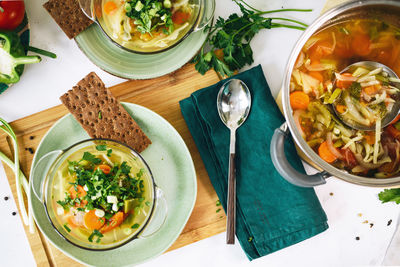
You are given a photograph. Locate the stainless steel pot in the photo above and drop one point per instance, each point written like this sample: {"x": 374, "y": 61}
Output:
{"x": 388, "y": 11}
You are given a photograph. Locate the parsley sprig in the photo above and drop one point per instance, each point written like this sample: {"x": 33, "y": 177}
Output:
{"x": 229, "y": 39}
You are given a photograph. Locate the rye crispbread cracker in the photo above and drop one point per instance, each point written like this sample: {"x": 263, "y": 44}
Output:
{"x": 101, "y": 115}
{"x": 68, "y": 16}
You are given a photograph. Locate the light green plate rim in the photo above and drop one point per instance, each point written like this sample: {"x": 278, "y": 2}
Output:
{"x": 173, "y": 169}
{"x": 119, "y": 62}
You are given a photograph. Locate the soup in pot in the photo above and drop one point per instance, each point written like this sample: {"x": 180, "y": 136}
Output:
{"x": 318, "y": 90}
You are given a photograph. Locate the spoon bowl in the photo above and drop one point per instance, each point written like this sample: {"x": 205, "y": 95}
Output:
{"x": 390, "y": 116}
{"x": 233, "y": 104}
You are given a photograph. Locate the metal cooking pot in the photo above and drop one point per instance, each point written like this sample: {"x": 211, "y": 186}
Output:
{"x": 385, "y": 10}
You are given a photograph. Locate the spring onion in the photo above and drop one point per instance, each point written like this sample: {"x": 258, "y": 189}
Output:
{"x": 21, "y": 181}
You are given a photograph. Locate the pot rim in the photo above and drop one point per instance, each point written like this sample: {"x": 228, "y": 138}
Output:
{"x": 360, "y": 180}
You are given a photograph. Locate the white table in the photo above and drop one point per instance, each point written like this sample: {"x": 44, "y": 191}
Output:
{"x": 43, "y": 83}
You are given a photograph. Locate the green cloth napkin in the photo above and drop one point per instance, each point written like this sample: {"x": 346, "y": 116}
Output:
{"x": 271, "y": 213}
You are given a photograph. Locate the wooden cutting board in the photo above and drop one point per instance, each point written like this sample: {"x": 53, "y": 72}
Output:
{"x": 161, "y": 95}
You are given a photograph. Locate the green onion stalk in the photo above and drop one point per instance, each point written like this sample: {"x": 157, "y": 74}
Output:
{"x": 21, "y": 181}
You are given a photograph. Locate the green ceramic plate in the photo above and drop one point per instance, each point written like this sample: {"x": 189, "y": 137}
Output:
{"x": 119, "y": 62}
{"x": 173, "y": 170}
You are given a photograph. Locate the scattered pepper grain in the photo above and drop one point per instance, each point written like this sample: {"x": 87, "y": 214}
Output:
{"x": 31, "y": 150}
{"x": 389, "y": 222}
{"x": 31, "y": 137}
{"x": 357, "y": 238}
{"x": 5, "y": 198}
{"x": 14, "y": 213}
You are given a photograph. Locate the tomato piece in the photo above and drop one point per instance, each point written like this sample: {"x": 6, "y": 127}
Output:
{"x": 12, "y": 13}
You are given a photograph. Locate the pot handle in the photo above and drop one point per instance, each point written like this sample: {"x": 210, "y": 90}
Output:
{"x": 283, "y": 166}
{"x": 159, "y": 216}
{"x": 38, "y": 173}
{"x": 208, "y": 14}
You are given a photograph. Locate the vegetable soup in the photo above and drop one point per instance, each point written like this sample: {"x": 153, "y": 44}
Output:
{"x": 102, "y": 195}
{"x": 360, "y": 95}
{"x": 147, "y": 26}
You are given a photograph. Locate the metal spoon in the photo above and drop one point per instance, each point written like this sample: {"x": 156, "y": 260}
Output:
{"x": 389, "y": 117}
{"x": 233, "y": 103}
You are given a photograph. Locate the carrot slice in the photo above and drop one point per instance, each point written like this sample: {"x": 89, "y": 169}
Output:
{"x": 299, "y": 100}
{"x": 109, "y": 7}
{"x": 180, "y": 17}
{"x": 341, "y": 108}
{"x": 370, "y": 90}
{"x": 80, "y": 192}
{"x": 113, "y": 222}
{"x": 317, "y": 75}
{"x": 104, "y": 168}
{"x": 92, "y": 221}
{"x": 344, "y": 84}
{"x": 325, "y": 153}
{"x": 361, "y": 44}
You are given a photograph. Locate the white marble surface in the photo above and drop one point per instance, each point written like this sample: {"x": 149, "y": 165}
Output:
{"x": 43, "y": 83}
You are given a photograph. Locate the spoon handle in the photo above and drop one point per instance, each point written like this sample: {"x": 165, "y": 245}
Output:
{"x": 231, "y": 202}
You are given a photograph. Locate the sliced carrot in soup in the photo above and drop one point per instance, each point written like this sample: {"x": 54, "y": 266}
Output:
{"x": 180, "y": 17}
{"x": 92, "y": 221}
{"x": 325, "y": 153}
{"x": 299, "y": 100}
{"x": 113, "y": 222}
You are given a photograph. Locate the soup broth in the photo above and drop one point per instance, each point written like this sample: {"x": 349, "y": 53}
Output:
{"x": 147, "y": 26}
{"x": 101, "y": 195}
{"x": 363, "y": 95}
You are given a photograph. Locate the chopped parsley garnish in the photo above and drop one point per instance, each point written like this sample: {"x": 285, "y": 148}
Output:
{"x": 218, "y": 210}
{"x": 150, "y": 15}
{"x": 100, "y": 116}
{"x": 95, "y": 233}
{"x": 93, "y": 186}
{"x": 67, "y": 228}
{"x": 136, "y": 225}
{"x": 101, "y": 147}
{"x": 91, "y": 158}
{"x": 355, "y": 90}
{"x": 109, "y": 151}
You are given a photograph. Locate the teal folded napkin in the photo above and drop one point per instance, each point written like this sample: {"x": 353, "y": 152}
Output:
{"x": 271, "y": 214}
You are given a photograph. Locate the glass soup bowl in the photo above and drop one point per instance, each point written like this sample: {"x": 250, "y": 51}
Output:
{"x": 48, "y": 184}
{"x": 116, "y": 25}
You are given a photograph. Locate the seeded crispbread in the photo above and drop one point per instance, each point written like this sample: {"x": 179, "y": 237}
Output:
{"x": 68, "y": 16}
{"x": 101, "y": 115}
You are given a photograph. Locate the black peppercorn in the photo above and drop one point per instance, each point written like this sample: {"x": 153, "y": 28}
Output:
{"x": 14, "y": 213}
{"x": 357, "y": 238}
{"x": 5, "y": 198}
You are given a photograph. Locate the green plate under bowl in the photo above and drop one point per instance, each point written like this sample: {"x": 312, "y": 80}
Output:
{"x": 173, "y": 169}
{"x": 119, "y": 62}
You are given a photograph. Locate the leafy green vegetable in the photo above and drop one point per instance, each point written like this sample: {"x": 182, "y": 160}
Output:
{"x": 390, "y": 195}
{"x": 355, "y": 90}
{"x": 150, "y": 14}
{"x": 229, "y": 39}
{"x": 91, "y": 158}
{"x": 67, "y": 228}
{"x": 95, "y": 233}
{"x": 136, "y": 225}
{"x": 101, "y": 147}
{"x": 117, "y": 183}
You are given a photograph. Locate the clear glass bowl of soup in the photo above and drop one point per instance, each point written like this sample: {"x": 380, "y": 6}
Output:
{"x": 99, "y": 194}
{"x": 148, "y": 27}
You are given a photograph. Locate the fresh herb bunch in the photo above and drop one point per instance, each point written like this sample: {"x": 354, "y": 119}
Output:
{"x": 149, "y": 14}
{"x": 100, "y": 185}
{"x": 390, "y": 195}
{"x": 229, "y": 39}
